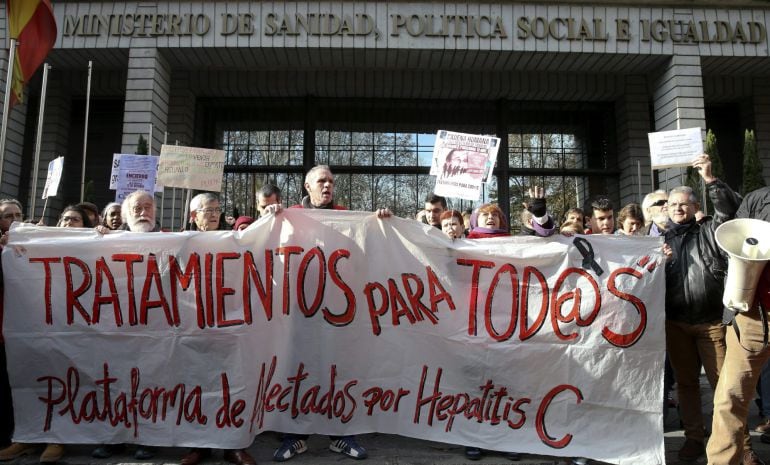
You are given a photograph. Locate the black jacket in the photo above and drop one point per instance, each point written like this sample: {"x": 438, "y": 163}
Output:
{"x": 695, "y": 276}
{"x": 756, "y": 205}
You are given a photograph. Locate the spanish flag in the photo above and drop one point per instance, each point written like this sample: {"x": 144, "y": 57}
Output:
{"x": 32, "y": 24}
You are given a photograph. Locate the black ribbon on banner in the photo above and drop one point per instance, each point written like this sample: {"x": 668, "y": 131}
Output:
{"x": 587, "y": 251}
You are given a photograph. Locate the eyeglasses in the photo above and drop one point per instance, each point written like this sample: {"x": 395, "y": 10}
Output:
{"x": 209, "y": 211}
{"x": 11, "y": 216}
{"x": 140, "y": 208}
{"x": 659, "y": 203}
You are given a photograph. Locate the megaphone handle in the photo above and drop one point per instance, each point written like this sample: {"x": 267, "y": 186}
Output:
{"x": 763, "y": 320}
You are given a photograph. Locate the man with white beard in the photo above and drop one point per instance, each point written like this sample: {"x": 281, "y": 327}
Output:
{"x": 138, "y": 212}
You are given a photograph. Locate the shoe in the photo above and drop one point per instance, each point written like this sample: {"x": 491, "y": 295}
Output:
{"x": 106, "y": 451}
{"x": 144, "y": 453}
{"x": 239, "y": 457}
{"x": 512, "y": 456}
{"x": 290, "y": 447}
{"x": 691, "y": 451}
{"x": 195, "y": 456}
{"x": 52, "y": 453}
{"x": 579, "y": 461}
{"x": 17, "y": 449}
{"x": 751, "y": 458}
{"x": 764, "y": 426}
{"x": 347, "y": 445}
{"x": 472, "y": 453}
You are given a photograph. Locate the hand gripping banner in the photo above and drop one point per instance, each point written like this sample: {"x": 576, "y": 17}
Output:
{"x": 335, "y": 322}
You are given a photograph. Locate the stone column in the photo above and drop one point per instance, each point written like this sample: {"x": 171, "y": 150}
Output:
{"x": 181, "y": 128}
{"x": 633, "y": 124}
{"x": 678, "y": 104}
{"x": 147, "y": 98}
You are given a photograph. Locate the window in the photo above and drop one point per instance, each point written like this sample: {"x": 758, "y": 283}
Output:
{"x": 380, "y": 151}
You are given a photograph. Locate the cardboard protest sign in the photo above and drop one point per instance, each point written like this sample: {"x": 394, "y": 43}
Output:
{"x": 53, "y": 178}
{"x": 144, "y": 163}
{"x": 191, "y": 167}
{"x": 462, "y": 163}
{"x": 339, "y": 323}
{"x": 669, "y": 149}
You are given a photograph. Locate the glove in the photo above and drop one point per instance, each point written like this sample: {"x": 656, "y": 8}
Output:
{"x": 537, "y": 207}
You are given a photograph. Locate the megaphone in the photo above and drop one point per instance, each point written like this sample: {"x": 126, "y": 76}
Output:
{"x": 747, "y": 242}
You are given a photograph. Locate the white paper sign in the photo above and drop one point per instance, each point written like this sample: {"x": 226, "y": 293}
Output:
{"x": 55, "y": 169}
{"x": 674, "y": 148}
{"x": 136, "y": 172}
{"x": 191, "y": 167}
{"x": 335, "y": 322}
{"x": 462, "y": 163}
{"x": 116, "y": 157}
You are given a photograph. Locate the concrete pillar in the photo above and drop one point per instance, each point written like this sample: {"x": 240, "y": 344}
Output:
{"x": 633, "y": 124}
{"x": 181, "y": 128}
{"x": 678, "y": 104}
{"x": 147, "y": 98}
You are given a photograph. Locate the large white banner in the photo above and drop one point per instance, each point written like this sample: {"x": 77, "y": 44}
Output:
{"x": 336, "y": 322}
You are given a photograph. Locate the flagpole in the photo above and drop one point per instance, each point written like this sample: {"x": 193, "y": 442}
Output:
{"x": 6, "y": 105}
{"x": 85, "y": 134}
{"x": 38, "y": 139}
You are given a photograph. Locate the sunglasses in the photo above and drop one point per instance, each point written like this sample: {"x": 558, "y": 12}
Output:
{"x": 659, "y": 203}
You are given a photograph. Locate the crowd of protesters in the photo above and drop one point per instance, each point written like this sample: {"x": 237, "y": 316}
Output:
{"x": 696, "y": 332}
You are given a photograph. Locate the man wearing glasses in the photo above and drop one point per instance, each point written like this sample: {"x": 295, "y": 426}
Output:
{"x": 695, "y": 275}
{"x": 205, "y": 212}
{"x": 655, "y": 210}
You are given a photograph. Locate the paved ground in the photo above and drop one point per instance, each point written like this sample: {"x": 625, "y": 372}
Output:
{"x": 387, "y": 449}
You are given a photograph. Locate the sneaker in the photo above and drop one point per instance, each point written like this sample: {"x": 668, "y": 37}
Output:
{"x": 512, "y": 456}
{"x": 17, "y": 449}
{"x": 472, "y": 453}
{"x": 52, "y": 453}
{"x": 579, "y": 461}
{"x": 106, "y": 451}
{"x": 290, "y": 447}
{"x": 347, "y": 445}
{"x": 764, "y": 426}
{"x": 691, "y": 451}
{"x": 144, "y": 453}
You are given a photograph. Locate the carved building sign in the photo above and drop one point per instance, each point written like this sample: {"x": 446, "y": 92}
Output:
{"x": 523, "y": 28}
